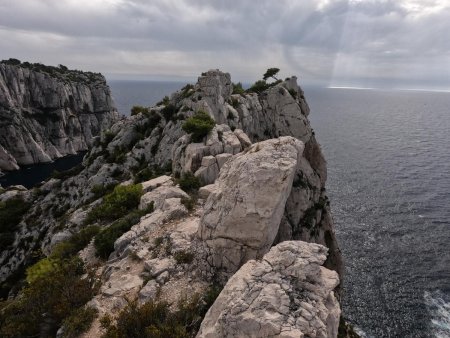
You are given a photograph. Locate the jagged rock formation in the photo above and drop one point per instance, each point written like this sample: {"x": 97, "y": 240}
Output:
{"x": 243, "y": 213}
{"x": 266, "y": 192}
{"x": 49, "y": 112}
{"x": 286, "y": 294}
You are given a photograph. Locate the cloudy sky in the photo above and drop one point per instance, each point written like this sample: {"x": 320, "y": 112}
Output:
{"x": 365, "y": 43}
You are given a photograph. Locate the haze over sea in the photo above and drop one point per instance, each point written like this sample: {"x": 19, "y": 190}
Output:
{"x": 389, "y": 185}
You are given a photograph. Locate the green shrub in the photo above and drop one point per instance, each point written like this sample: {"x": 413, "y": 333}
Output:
{"x": 77, "y": 242}
{"x": 143, "y": 175}
{"x": 79, "y": 322}
{"x": 187, "y": 91}
{"x": 116, "y": 204}
{"x": 41, "y": 307}
{"x": 138, "y": 109}
{"x": 259, "y": 86}
{"x": 104, "y": 240}
{"x": 183, "y": 257}
{"x": 189, "y": 203}
{"x": 11, "y": 213}
{"x": 100, "y": 190}
{"x": 118, "y": 155}
{"x": 108, "y": 136}
{"x": 189, "y": 183}
{"x": 155, "y": 319}
{"x": 169, "y": 112}
{"x": 199, "y": 125}
{"x": 164, "y": 102}
{"x": 237, "y": 88}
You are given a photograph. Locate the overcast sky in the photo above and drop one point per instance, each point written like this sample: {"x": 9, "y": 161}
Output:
{"x": 366, "y": 43}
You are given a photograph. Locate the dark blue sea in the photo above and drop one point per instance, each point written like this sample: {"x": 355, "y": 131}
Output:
{"x": 388, "y": 155}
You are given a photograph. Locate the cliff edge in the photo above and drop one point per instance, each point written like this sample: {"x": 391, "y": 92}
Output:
{"x": 213, "y": 192}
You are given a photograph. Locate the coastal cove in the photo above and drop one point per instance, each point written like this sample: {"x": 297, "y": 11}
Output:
{"x": 31, "y": 175}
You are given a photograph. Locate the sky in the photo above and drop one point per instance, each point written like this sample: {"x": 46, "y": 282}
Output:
{"x": 337, "y": 43}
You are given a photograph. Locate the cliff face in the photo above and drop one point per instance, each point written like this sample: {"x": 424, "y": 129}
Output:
{"x": 263, "y": 197}
{"x": 49, "y": 112}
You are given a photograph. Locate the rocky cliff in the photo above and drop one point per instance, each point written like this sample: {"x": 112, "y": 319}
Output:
{"x": 49, "y": 112}
{"x": 237, "y": 203}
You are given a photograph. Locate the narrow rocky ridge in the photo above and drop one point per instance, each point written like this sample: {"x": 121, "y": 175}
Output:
{"x": 263, "y": 198}
{"x": 50, "y": 112}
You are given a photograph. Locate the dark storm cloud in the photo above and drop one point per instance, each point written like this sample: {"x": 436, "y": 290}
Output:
{"x": 325, "y": 41}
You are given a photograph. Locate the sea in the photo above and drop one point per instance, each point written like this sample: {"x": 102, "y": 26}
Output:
{"x": 388, "y": 158}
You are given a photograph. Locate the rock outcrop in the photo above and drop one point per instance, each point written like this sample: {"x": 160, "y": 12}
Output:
{"x": 49, "y": 112}
{"x": 243, "y": 213}
{"x": 261, "y": 223}
{"x": 286, "y": 294}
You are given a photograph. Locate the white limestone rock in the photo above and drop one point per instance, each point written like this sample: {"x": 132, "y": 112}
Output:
{"x": 156, "y": 182}
{"x": 158, "y": 266}
{"x": 47, "y": 117}
{"x": 206, "y": 190}
{"x": 148, "y": 292}
{"x": 159, "y": 195}
{"x": 286, "y": 294}
{"x": 222, "y": 159}
{"x": 243, "y": 212}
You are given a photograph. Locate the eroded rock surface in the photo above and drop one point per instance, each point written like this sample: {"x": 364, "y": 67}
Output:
{"x": 43, "y": 116}
{"x": 286, "y": 294}
{"x": 243, "y": 212}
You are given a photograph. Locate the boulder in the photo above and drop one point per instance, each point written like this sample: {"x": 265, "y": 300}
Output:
{"x": 243, "y": 212}
{"x": 159, "y": 195}
{"x": 286, "y": 294}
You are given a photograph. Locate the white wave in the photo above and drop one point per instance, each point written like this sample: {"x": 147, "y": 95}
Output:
{"x": 438, "y": 306}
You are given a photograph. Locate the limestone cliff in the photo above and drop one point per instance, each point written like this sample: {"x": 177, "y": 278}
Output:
{"x": 263, "y": 197}
{"x": 49, "y": 112}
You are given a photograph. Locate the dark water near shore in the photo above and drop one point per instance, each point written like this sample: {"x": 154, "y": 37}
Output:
{"x": 388, "y": 160}
{"x": 32, "y": 175}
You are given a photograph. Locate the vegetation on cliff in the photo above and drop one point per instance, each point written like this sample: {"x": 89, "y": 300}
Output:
{"x": 61, "y": 72}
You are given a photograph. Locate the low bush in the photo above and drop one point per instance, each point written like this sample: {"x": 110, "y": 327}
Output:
{"x": 11, "y": 213}
{"x": 100, "y": 190}
{"x": 79, "y": 322}
{"x": 199, "y": 125}
{"x": 116, "y": 204}
{"x": 155, "y": 319}
{"x": 77, "y": 242}
{"x": 189, "y": 203}
{"x": 189, "y": 183}
{"x": 104, "y": 240}
{"x": 46, "y": 301}
{"x": 138, "y": 109}
{"x": 108, "y": 136}
{"x": 237, "y": 88}
{"x": 183, "y": 257}
{"x": 169, "y": 112}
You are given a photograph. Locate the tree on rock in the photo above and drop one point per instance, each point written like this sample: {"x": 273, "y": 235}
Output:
{"x": 271, "y": 72}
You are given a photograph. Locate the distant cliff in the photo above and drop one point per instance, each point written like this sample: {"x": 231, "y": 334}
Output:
{"x": 49, "y": 112}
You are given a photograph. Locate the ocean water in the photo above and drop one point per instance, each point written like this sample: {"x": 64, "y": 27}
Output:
{"x": 388, "y": 160}
{"x": 389, "y": 184}
{"x": 127, "y": 94}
